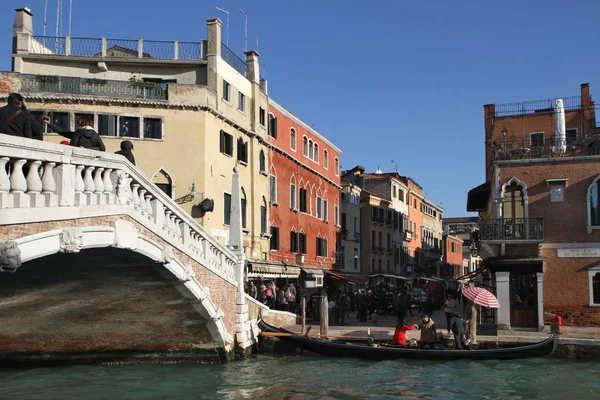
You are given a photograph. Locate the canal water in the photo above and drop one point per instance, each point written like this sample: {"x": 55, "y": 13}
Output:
{"x": 307, "y": 377}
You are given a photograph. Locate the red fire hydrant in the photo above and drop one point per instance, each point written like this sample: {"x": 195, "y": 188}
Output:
{"x": 558, "y": 320}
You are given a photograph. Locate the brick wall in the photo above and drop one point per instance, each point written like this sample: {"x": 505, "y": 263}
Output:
{"x": 222, "y": 293}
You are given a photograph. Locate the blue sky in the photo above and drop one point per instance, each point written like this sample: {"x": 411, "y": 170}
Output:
{"x": 386, "y": 80}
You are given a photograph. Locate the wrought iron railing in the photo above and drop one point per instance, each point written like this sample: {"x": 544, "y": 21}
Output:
{"x": 536, "y": 106}
{"x": 232, "y": 59}
{"x": 122, "y": 48}
{"x": 93, "y": 87}
{"x": 512, "y": 229}
{"x": 539, "y": 146}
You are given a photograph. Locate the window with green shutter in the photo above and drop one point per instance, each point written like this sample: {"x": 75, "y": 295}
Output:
{"x": 226, "y": 208}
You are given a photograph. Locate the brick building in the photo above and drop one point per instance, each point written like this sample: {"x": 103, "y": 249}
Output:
{"x": 304, "y": 198}
{"x": 462, "y": 228}
{"x": 540, "y": 230}
{"x": 452, "y": 262}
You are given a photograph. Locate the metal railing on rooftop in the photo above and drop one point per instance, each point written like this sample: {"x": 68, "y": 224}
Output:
{"x": 536, "y": 106}
{"x": 540, "y": 146}
{"x": 232, "y": 59}
{"x": 117, "y": 48}
{"x": 93, "y": 87}
{"x": 512, "y": 229}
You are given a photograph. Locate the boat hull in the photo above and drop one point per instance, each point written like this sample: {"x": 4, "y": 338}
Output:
{"x": 364, "y": 350}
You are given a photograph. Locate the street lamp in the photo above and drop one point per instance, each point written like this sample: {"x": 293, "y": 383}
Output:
{"x": 504, "y": 132}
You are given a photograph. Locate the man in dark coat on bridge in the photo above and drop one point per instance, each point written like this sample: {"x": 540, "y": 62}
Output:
{"x": 13, "y": 120}
{"x": 126, "y": 151}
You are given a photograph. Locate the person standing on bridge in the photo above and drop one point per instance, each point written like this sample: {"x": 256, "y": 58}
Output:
{"x": 13, "y": 120}
{"x": 85, "y": 136}
{"x": 252, "y": 290}
{"x": 126, "y": 151}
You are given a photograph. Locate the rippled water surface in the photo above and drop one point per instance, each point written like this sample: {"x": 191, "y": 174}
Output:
{"x": 305, "y": 377}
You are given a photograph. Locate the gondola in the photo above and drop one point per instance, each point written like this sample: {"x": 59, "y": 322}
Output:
{"x": 368, "y": 349}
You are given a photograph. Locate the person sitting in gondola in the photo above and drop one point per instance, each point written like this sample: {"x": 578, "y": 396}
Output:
{"x": 428, "y": 332}
{"x": 459, "y": 329}
{"x": 399, "y": 338}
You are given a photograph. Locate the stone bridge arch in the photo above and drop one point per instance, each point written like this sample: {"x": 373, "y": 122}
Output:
{"x": 121, "y": 239}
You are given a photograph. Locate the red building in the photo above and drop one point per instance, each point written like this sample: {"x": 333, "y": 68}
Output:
{"x": 304, "y": 198}
{"x": 453, "y": 257}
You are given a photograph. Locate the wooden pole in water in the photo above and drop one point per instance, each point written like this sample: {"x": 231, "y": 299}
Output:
{"x": 324, "y": 323}
{"x": 303, "y": 316}
{"x": 473, "y": 324}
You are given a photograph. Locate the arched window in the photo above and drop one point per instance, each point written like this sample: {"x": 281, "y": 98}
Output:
{"x": 316, "y": 153}
{"x": 310, "y": 149}
{"x": 263, "y": 216}
{"x": 513, "y": 205}
{"x": 272, "y": 126}
{"x": 305, "y": 146}
{"x": 336, "y": 166}
{"x": 162, "y": 179}
{"x": 293, "y": 194}
{"x": 325, "y": 159}
{"x": 593, "y": 204}
{"x": 293, "y": 139}
{"x": 262, "y": 162}
{"x": 244, "y": 209}
{"x": 272, "y": 187}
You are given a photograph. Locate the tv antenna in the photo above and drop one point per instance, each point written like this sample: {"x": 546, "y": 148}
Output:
{"x": 256, "y": 34}
{"x": 45, "y": 16}
{"x": 70, "y": 14}
{"x": 246, "y": 30}
{"x": 227, "y": 25}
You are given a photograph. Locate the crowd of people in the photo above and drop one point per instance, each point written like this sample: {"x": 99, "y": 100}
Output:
{"x": 281, "y": 297}
{"x": 16, "y": 120}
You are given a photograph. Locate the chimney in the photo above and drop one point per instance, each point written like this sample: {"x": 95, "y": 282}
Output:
{"x": 213, "y": 26}
{"x": 213, "y": 53}
{"x": 23, "y": 21}
{"x": 22, "y": 33}
{"x": 585, "y": 94}
{"x": 252, "y": 67}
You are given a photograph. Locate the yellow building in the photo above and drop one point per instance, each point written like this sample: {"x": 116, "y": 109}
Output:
{"x": 193, "y": 111}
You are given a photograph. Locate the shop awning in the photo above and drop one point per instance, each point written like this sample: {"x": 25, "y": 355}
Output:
{"x": 314, "y": 273}
{"x": 431, "y": 279}
{"x": 478, "y": 197}
{"x": 263, "y": 270}
{"x": 391, "y": 276}
{"x": 356, "y": 280}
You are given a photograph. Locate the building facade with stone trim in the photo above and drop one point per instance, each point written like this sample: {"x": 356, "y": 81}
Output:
{"x": 538, "y": 233}
{"x": 192, "y": 110}
{"x": 303, "y": 219}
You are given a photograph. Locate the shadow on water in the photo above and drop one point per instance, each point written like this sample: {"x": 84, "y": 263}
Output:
{"x": 308, "y": 377}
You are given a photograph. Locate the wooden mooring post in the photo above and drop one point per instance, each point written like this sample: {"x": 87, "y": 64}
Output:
{"x": 303, "y": 331}
{"x": 324, "y": 317}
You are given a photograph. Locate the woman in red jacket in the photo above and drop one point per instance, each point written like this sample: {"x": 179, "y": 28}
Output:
{"x": 399, "y": 338}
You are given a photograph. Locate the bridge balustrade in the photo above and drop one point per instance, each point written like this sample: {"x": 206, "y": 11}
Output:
{"x": 39, "y": 179}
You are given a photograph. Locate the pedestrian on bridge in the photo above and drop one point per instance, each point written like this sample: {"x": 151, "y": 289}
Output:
{"x": 13, "y": 120}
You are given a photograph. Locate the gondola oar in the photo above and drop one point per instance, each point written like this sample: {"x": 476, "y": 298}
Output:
{"x": 281, "y": 334}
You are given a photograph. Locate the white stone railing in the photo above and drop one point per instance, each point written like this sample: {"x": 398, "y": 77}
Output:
{"x": 42, "y": 181}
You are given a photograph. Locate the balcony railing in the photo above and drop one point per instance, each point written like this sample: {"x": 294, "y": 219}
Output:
{"x": 514, "y": 148}
{"x": 512, "y": 229}
{"x": 93, "y": 87}
{"x": 118, "y": 48}
{"x": 536, "y": 106}
{"x": 232, "y": 59}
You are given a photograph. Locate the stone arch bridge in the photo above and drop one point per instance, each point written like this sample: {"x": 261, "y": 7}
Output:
{"x": 97, "y": 260}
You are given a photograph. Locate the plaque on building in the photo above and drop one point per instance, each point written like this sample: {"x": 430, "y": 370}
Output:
{"x": 578, "y": 253}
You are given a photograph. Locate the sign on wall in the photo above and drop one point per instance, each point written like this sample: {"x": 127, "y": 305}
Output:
{"x": 578, "y": 253}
